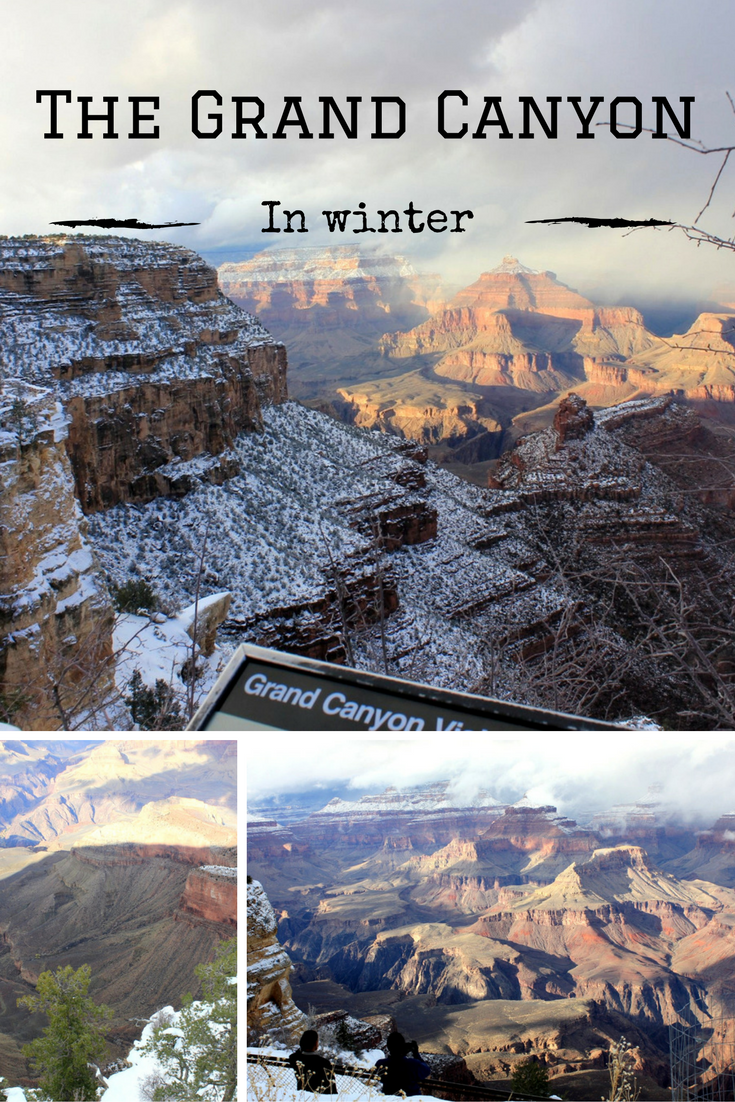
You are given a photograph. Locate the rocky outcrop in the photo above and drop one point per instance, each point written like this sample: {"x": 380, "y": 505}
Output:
{"x": 713, "y": 855}
{"x": 155, "y": 368}
{"x": 403, "y": 819}
{"x": 489, "y": 332}
{"x": 202, "y": 620}
{"x": 573, "y": 419}
{"x": 210, "y": 895}
{"x": 393, "y": 520}
{"x": 413, "y": 409}
{"x": 270, "y": 1007}
{"x": 500, "y": 347}
{"x": 49, "y": 793}
{"x": 698, "y": 365}
{"x": 120, "y": 919}
{"x": 613, "y": 902}
{"x": 55, "y": 612}
{"x": 361, "y": 595}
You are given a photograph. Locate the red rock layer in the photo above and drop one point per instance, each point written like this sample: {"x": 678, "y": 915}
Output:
{"x": 210, "y": 896}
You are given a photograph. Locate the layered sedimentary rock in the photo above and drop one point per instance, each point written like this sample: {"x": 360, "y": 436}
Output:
{"x": 713, "y": 855}
{"x": 512, "y": 937}
{"x": 427, "y": 813}
{"x": 55, "y": 612}
{"x": 210, "y": 895}
{"x": 333, "y": 540}
{"x": 270, "y": 1007}
{"x": 698, "y": 365}
{"x": 499, "y": 348}
{"x": 156, "y": 369}
{"x": 521, "y": 846}
{"x": 412, "y": 407}
{"x": 594, "y": 500}
{"x": 122, "y": 790}
{"x": 610, "y": 927}
{"x": 600, "y": 912}
{"x": 330, "y": 305}
{"x": 519, "y": 327}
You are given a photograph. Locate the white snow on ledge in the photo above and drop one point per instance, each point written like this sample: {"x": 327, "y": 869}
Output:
{"x": 220, "y": 870}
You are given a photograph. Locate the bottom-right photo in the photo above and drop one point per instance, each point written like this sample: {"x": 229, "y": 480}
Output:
{"x": 546, "y": 916}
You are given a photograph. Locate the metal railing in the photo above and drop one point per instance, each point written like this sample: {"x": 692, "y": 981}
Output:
{"x": 277, "y": 1075}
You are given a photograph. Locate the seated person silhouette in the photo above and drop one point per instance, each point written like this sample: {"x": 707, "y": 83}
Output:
{"x": 313, "y": 1072}
{"x": 403, "y": 1069}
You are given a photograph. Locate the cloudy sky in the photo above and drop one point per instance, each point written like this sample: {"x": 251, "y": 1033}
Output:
{"x": 579, "y": 774}
{"x": 414, "y": 49}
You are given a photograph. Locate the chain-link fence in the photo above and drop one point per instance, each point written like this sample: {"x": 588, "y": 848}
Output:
{"x": 703, "y": 1061}
{"x": 272, "y": 1079}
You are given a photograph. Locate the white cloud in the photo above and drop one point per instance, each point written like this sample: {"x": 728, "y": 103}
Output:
{"x": 416, "y": 49}
{"x": 578, "y": 773}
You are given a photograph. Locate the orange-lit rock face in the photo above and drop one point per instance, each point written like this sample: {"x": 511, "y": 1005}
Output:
{"x": 698, "y": 365}
{"x": 518, "y": 327}
{"x": 330, "y": 287}
{"x": 331, "y": 306}
{"x": 211, "y": 896}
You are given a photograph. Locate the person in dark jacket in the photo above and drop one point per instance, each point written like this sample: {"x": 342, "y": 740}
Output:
{"x": 403, "y": 1069}
{"x": 313, "y": 1072}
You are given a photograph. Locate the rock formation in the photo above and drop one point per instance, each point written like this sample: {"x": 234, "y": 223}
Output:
{"x": 713, "y": 855}
{"x": 156, "y": 370}
{"x": 697, "y": 365}
{"x": 411, "y": 407}
{"x": 120, "y": 792}
{"x": 55, "y": 612}
{"x": 598, "y": 914}
{"x": 210, "y": 895}
{"x": 425, "y": 814}
{"x": 270, "y": 1006}
{"x": 487, "y": 332}
{"x": 515, "y": 330}
{"x": 573, "y": 420}
{"x": 517, "y": 933}
{"x": 128, "y": 370}
{"x": 330, "y": 305}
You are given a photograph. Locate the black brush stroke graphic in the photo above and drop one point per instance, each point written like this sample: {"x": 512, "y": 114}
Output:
{"x": 121, "y": 223}
{"x": 595, "y": 223}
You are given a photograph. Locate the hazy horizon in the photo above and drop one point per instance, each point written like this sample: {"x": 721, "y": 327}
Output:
{"x": 580, "y": 775}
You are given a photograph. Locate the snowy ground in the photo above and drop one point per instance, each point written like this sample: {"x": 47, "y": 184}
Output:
{"x": 275, "y": 525}
{"x": 158, "y": 646}
{"x": 124, "y": 1086}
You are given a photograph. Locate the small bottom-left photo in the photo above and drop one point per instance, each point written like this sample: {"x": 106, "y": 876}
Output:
{"x": 118, "y": 920}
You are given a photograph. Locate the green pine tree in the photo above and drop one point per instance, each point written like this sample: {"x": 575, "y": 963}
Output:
{"x": 153, "y": 709}
{"x": 530, "y": 1077}
{"x": 73, "y": 1037}
{"x": 198, "y": 1056}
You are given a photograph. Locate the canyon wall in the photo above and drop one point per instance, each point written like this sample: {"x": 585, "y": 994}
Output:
{"x": 210, "y": 894}
{"x": 154, "y": 366}
{"x": 55, "y": 612}
{"x": 127, "y": 377}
